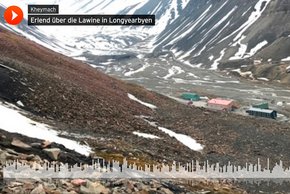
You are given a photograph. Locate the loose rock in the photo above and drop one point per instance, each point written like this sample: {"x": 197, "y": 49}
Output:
{"x": 38, "y": 190}
{"x": 53, "y": 153}
{"x": 18, "y": 143}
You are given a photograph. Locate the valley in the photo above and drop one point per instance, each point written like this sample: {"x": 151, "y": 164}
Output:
{"x": 165, "y": 75}
{"x": 58, "y": 91}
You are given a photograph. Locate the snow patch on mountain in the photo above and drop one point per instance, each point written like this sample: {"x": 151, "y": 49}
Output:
{"x": 146, "y": 135}
{"x": 184, "y": 3}
{"x": 132, "y": 97}
{"x": 186, "y": 30}
{"x": 257, "y": 48}
{"x": 14, "y": 120}
{"x": 194, "y": 32}
{"x": 129, "y": 73}
{"x": 99, "y": 39}
{"x": 242, "y": 54}
{"x": 184, "y": 139}
{"x": 215, "y": 64}
{"x": 173, "y": 71}
{"x": 286, "y": 59}
{"x": 255, "y": 15}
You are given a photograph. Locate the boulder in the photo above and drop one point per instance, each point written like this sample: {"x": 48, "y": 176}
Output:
{"x": 53, "y": 153}
{"x": 85, "y": 190}
{"x": 94, "y": 188}
{"x": 45, "y": 144}
{"x": 10, "y": 151}
{"x": 19, "y": 103}
{"x": 36, "y": 145}
{"x": 78, "y": 182}
{"x": 166, "y": 191}
{"x": 11, "y": 157}
{"x": 49, "y": 186}
{"x": 3, "y": 157}
{"x": 18, "y": 143}
{"x": 38, "y": 190}
{"x": 36, "y": 159}
{"x": 69, "y": 192}
{"x": 28, "y": 186}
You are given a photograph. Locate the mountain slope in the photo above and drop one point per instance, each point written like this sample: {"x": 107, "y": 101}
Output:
{"x": 203, "y": 33}
{"x": 101, "y": 40}
{"x": 214, "y": 31}
{"x": 40, "y": 64}
{"x": 198, "y": 32}
{"x": 87, "y": 105}
{"x": 74, "y": 97}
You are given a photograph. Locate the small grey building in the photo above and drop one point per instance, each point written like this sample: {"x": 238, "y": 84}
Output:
{"x": 266, "y": 113}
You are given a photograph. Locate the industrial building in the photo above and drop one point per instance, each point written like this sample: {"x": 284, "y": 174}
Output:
{"x": 221, "y": 104}
{"x": 190, "y": 96}
{"x": 262, "y": 105}
{"x": 266, "y": 113}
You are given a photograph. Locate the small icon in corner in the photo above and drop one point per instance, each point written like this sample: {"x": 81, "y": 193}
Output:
{"x": 13, "y": 15}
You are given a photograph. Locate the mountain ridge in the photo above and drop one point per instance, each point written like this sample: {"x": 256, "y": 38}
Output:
{"x": 199, "y": 33}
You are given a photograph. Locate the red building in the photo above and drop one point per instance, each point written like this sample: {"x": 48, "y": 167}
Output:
{"x": 220, "y": 104}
